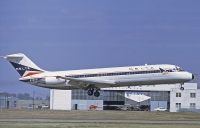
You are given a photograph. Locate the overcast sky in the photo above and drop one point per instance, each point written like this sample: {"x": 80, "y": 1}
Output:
{"x": 79, "y": 34}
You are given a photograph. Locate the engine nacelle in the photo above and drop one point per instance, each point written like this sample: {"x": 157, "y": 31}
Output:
{"x": 53, "y": 80}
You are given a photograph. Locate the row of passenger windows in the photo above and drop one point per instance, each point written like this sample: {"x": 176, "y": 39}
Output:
{"x": 114, "y": 74}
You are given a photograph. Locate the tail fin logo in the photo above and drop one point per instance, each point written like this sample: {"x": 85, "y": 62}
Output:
{"x": 30, "y": 73}
{"x": 23, "y": 65}
{"x": 21, "y": 69}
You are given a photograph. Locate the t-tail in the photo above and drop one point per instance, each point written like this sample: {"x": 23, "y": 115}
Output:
{"x": 23, "y": 65}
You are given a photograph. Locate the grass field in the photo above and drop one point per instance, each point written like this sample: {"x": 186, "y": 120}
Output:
{"x": 97, "y": 119}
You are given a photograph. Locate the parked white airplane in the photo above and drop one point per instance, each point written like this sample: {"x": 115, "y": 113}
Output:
{"x": 95, "y": 79}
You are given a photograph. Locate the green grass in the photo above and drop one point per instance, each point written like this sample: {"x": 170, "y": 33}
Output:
{"x": 94, "y": 125}
{"x": 97, "y": 119}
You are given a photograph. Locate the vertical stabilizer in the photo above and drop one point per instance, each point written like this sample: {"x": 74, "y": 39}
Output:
{"x": 23, "y": 64}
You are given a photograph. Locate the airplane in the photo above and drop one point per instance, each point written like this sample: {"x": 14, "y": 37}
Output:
{"x": 93, "y": 80}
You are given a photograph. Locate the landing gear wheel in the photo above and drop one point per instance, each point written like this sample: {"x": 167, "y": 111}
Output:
{"x": 182, "y": 88}
{"x": 96, "y": 93}
{"x": 90, "y": 92}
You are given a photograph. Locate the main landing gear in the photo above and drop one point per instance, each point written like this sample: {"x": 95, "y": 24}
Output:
{"x": 91, "y": 92}
{"x": 182, "y": 88}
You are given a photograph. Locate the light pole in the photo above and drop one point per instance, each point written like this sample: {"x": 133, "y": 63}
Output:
{"x": 33, "y": 100}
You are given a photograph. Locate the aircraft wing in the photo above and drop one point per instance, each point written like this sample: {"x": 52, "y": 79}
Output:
{"x": 83, "y": 83}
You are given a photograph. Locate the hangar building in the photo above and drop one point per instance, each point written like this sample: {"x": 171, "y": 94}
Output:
{"x": 146, "y": 98}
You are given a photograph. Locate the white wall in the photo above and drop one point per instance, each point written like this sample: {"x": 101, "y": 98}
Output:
{"x": 185, "y": 99}
{"x": 60, "y": 99}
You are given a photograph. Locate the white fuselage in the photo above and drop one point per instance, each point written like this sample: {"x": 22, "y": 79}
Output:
{"x": 119, "y": 76}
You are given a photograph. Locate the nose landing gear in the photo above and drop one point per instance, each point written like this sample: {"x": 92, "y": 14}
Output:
{"x": 182, "y": 88}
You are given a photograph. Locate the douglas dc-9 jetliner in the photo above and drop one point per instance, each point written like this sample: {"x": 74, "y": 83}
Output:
{"x": 95, "y": 79}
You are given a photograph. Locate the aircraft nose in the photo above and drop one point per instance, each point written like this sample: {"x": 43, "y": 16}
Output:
{"x": 192, "y": 76}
